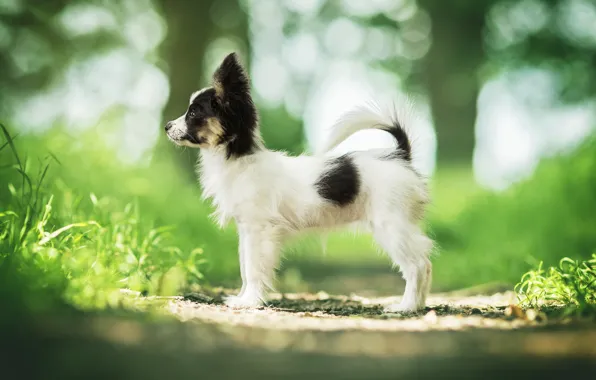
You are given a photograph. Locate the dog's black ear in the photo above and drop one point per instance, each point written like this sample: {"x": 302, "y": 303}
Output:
{"x": 230, "y": 79}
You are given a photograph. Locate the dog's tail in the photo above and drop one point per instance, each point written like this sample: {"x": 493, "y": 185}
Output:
{"x": 369, "y": 117}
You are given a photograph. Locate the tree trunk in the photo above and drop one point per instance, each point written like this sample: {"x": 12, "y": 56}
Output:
{"x": 191, "y": 28}
{"x": 450, "y": 73}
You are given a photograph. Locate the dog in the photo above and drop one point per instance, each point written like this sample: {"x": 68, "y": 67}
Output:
{"x": 272, "y": 196}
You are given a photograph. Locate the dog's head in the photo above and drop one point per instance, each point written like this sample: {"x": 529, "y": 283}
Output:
{"x": 222, "y": 115}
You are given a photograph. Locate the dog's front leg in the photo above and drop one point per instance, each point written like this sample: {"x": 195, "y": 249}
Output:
{"x": 241, "y": 250}
{"x": 259, "y": 254}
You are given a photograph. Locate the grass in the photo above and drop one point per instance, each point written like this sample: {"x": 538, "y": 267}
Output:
{"x": 58, "y": 234}
{"x": 87, "y": 225}
{"x": 572, "y": 284}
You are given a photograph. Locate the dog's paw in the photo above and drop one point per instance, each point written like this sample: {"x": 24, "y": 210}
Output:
{"x": 402, "y": 308}
{"x": 243, "y": 302}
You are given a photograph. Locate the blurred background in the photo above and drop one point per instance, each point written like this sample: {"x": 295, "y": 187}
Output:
{"x": 93, "y": 198}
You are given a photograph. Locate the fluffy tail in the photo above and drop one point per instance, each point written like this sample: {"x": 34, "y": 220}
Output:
{"x": 369, "y": 117}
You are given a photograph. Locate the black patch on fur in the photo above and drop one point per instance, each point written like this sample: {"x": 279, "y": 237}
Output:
{"x": 340, "y": 183}
{"x": 200, "y": 110}
{"x": 404, "y": 150}
{"x": 230, "y": 102}
{"x": 236, "y": 110}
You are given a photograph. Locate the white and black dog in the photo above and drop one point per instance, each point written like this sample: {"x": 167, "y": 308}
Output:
{"x": 271, "y": 196}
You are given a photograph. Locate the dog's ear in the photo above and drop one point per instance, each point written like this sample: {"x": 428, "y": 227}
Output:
{"x": 230, "y": 80}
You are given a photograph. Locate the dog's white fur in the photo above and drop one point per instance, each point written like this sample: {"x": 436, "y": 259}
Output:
{"x": 271, "y": 196}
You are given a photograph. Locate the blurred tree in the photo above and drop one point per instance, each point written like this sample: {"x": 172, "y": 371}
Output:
{"x": 35, "y": 48}
{"x": 558, "y": 36}
{"x": 489, "y": 36}
{"x": 469, "y": 42}
{"x": 450, "y": 74}
{"x": 192, "y": 27}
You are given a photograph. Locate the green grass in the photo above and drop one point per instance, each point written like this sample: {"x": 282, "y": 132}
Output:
{"x": 571, "y": 284}
{"x": 81, "y": 223}
{"x": 88, "y": 225}
{"x": 498, "y": 236}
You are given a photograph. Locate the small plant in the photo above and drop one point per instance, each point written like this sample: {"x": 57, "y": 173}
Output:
{"x": 572, "y": 284}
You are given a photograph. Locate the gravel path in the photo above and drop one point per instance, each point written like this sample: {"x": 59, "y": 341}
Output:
{"x": 302, "y": 336}
{"x": 320, "y": 323}
{"x": 327, "y": 313}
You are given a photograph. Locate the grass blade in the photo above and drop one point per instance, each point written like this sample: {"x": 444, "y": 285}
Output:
{"x": 57, "y": 233}
{"x": 55, "y": 158}
{"x": 6, "y": 143}
{"x": 39, "y": 183}
{"x": 10, "y": 142}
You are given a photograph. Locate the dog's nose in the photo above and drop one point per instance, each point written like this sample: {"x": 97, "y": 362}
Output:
{"x": 169, "y": 125}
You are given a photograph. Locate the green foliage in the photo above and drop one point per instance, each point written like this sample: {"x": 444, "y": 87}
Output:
{"x": 87, "y": 228}
{"x": 91, "y": 225}
{"x": 500, "y": 235}
{"x": 38, "y": 47}
{"x": 281, "y": 131}
{"x": 572, "y": 284}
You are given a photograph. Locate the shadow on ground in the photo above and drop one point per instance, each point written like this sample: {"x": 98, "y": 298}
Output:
{"x": 372, "y": 308}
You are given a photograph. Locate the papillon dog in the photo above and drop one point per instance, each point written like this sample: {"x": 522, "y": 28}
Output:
{"x": 271, "y": 196}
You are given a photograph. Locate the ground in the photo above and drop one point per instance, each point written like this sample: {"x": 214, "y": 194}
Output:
{"x": 298, "y": 336}
{"x": 354, "y": 325}
{"x": 323, "y": 312}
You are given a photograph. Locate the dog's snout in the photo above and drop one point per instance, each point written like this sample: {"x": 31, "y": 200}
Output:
{"x": 169, "y": 125}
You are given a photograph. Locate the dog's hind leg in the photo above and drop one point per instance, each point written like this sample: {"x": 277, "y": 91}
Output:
{"x": 409, "y": 249}
{"x": 429, "y": 276}
{"x": 259, "y": 256}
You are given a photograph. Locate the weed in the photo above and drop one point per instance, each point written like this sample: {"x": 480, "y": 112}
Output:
{"x": 571, "y": 284}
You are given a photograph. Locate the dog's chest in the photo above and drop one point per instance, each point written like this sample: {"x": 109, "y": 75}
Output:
{"x": 233, "y": 188}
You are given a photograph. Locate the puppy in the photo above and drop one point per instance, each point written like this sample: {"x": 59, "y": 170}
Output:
{"x": 271, "y": 196}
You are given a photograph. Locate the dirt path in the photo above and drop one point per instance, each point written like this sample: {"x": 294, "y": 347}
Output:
{"x": 358, "y": 326}
{"x": 326, "y": 313}
{"x": 302, "y": 337}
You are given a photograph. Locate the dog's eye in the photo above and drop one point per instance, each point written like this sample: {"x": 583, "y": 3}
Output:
{"x": 192, "y": 113}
